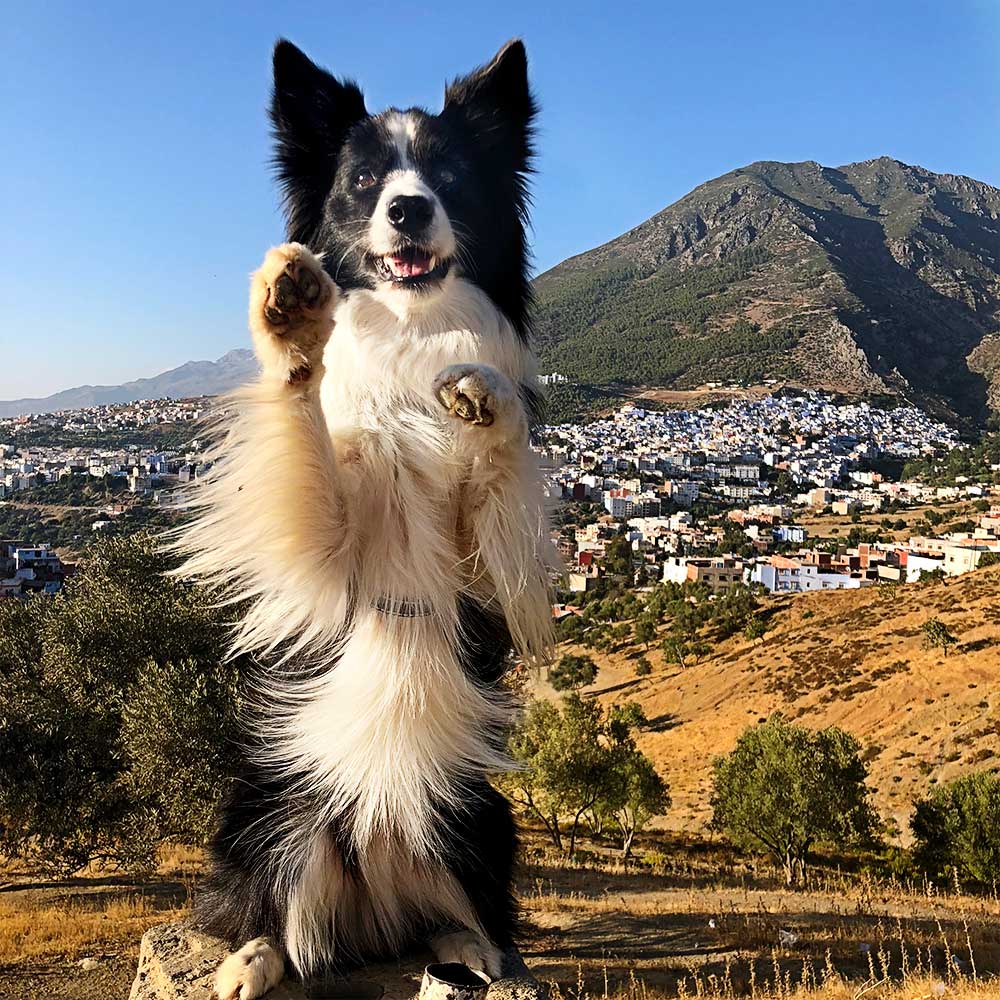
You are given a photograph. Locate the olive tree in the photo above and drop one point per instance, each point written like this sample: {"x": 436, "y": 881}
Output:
{"x": 785, "y": 787}
{"x": 575, "y": 761}
{"x": 957, "y": 828}
{"x": 117, "y": 712}
{"x": 572, "y": 672}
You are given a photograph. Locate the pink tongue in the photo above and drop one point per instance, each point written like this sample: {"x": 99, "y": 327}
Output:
{"x": 411, "y": 265}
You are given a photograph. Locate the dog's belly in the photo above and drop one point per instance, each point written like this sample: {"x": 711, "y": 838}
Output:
{"x": 382, "y": 742}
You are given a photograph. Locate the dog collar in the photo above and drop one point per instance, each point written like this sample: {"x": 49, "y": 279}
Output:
{"x": 402, "y": 608}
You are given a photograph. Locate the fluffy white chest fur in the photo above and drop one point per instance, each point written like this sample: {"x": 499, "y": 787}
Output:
{"x": 398, "y": 719}
{"x": 353, "y": 517}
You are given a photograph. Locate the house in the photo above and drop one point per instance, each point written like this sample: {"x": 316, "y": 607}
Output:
{"x": 781, "y": 574}
{"x": 718, "y": 573}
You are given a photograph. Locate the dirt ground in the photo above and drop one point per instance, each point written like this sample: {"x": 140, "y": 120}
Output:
{"x": 687, "y": 922}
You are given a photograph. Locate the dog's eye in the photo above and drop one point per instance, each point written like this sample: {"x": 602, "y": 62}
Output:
{"x": 446, "y": 176}
{"x": 363, "y": 179}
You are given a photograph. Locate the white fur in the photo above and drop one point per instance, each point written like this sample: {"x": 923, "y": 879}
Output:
{"x": 471, "y": 949}
{"x": 364, "y": 489}
{"x": 384, "y": 238}
{"x": 399, "y": 888}
{"x": 250, "y": 972}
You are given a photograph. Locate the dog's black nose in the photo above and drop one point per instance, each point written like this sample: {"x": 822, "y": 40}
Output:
{"x": 410, "y": 213}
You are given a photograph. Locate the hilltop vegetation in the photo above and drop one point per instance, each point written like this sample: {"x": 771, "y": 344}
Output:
{"x": 925, "y": 713}
{"x": 875, "y": 278}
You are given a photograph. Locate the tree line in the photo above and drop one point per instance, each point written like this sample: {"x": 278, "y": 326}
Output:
{"x": 119, "y": 720}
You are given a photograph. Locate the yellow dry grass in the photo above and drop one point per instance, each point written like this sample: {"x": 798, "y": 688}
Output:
{"x": 97, "y": 910}
{"x": 855, "y": 659}
{"x": 604, "y": 932}
{"x": 837, "y": 526}
{"x": 33, "y": 929}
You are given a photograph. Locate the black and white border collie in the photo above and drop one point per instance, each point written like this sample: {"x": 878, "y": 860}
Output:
{"x": 375, "y": 505}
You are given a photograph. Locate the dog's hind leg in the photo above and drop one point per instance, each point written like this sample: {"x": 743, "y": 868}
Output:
{"x": 250, "y": 972}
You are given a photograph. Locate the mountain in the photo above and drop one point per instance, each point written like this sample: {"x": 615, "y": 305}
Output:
{"x": 194, "y": 378}
{"x": 875, "y": 278}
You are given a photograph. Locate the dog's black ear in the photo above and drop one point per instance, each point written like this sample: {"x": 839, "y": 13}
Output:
{"x": 311, "y": 113}
{"x": 497, "y": 102}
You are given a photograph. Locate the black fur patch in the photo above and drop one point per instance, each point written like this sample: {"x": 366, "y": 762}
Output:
{"x": 476, "y": 154}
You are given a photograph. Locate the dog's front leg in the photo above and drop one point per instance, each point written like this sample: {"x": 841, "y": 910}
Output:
{"x": 250, "y": 972}
{"x": 504, "y": 498}
{"x": 270, "y": 523}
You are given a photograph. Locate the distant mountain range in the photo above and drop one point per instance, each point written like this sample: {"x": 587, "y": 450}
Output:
{"x": 194, "y": 378}
{"x": 875, "y": 278}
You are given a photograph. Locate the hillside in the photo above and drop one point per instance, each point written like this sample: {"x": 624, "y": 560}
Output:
{"x": 872, "y": 278}
{"x": 193, "y": 378}
{"x": 854, "y": 659}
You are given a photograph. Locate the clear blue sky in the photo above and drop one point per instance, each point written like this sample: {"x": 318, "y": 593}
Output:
{"x": 134, "y": 176}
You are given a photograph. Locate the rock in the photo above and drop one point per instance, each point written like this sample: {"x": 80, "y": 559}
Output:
{"x": 88, "y": 964}
{"x": 177, "y": 962}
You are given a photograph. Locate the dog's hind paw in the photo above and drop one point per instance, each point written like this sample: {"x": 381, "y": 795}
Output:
{"x": 471, "y": 949}
{"x": 291, "y": 311}
{"x": 250, "y": 972}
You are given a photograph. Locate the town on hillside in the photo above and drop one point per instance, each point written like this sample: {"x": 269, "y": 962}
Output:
{"x": 795, "y": 491}
{"x": 756, "y": 492}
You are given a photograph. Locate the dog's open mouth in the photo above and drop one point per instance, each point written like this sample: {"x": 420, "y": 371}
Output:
{"x": 410, "y": 266}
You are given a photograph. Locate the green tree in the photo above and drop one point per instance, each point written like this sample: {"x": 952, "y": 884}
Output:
{"x": 577, "y": 761}
{"x": 116, "y": 712}
{"x": 572, "y": 672}
{"x": 643, "y": 668}
{"x": 563, "y": 760}
{"x": 957, "y": 828}
{"x": 784, "y": 788}
{"x": 755, "y": 628}
{"x": 645, "y": 631}
{"x": 937, "y": 636}
{"x": 637, "y": 795}
{"x": 618, "y": 556}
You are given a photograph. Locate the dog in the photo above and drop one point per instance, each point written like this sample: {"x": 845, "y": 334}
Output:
{"x": 374, "y": 505}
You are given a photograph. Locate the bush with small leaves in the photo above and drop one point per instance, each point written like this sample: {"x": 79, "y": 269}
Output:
{"x": 937, "y": 636}
{"x": 572, "y": 672}
{"x": 785, "y": 788}
{"x": 957, "y": 828}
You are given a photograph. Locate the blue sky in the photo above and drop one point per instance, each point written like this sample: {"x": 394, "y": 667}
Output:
{"x": 135, "y": 180}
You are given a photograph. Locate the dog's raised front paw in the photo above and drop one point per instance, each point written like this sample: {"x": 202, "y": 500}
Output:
{"x": 471, "y": 949}
{"x": 250, "y": 972}
{"x": 291, "y": 311}
{"x": 475, "y": 394}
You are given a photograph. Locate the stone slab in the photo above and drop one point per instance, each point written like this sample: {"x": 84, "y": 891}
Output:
{"x": 176, "y": 962}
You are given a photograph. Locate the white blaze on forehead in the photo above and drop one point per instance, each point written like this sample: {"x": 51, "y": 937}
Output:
{"x": 407, "y": 180}
{"x": 402, "y": 129}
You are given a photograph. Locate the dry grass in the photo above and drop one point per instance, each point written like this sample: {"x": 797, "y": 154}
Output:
{"x": 32, "y": 930}
{"x": 608, "y": 933}
{"x": 854, "y": 659}
{"x": 99, "y": 910}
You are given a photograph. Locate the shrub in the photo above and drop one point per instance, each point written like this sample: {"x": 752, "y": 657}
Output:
{"x": 785, "y": 787}
{"x": 937, "y": 636}
{"x": 117, "y": 715}
{"x": 958, "y": 828}
{"x": 572, "y": 672}
{"x": 575, "y": 761}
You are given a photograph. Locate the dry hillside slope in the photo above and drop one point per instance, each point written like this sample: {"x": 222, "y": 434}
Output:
{"x": 855, "y": 659}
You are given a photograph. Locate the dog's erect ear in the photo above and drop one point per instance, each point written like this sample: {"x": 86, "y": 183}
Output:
{"x": 311, "y": 113}
{"x": 496, "y": 101}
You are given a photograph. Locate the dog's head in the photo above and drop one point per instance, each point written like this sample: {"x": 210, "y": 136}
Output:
{"x": 404, "y": 201}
